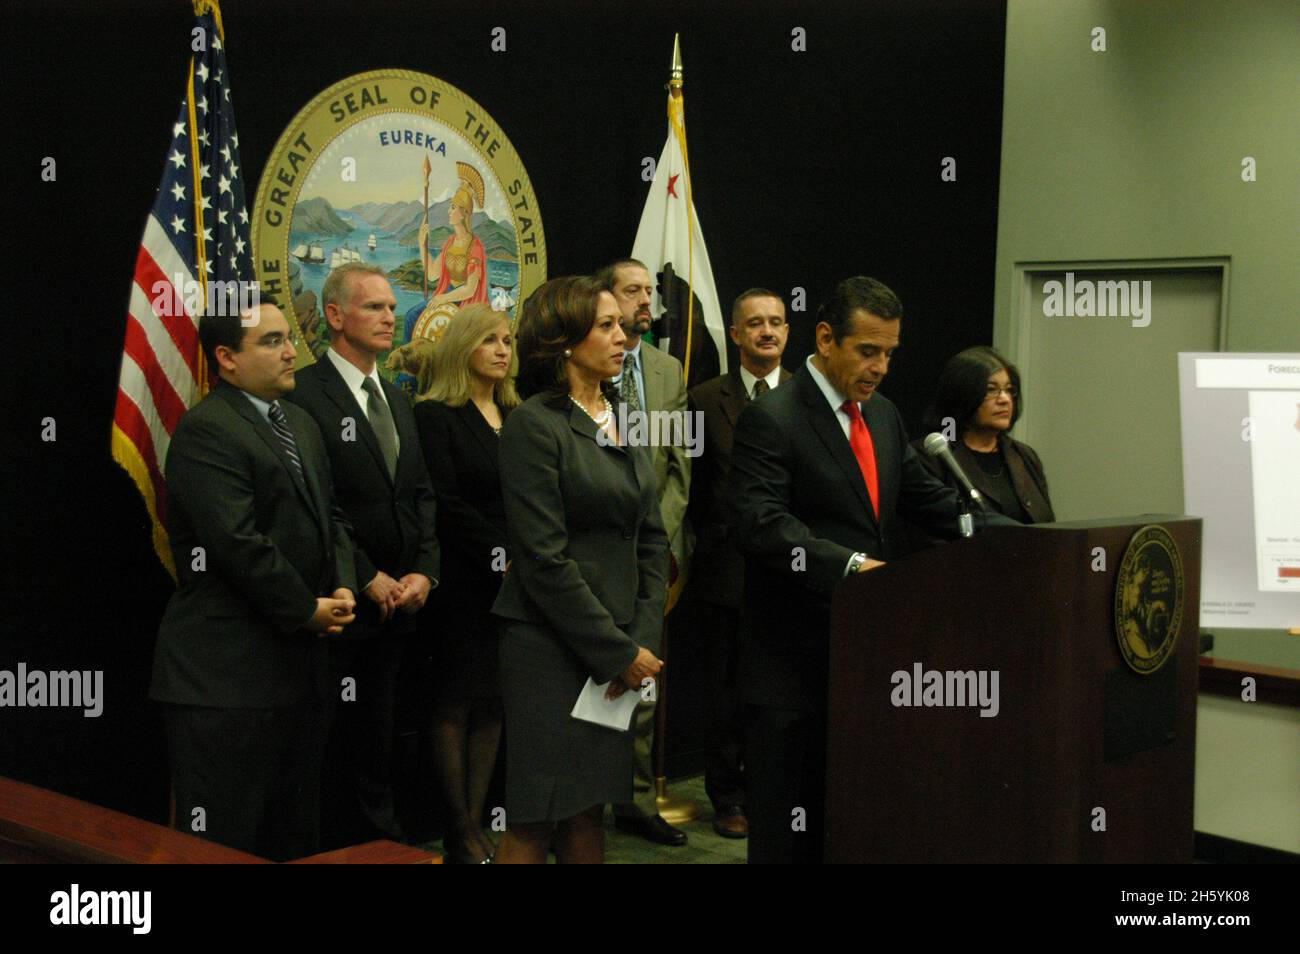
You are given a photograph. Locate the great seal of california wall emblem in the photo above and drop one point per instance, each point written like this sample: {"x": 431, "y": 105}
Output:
{"x": 1149, "y": 600}
{"x": 403, "y": 171}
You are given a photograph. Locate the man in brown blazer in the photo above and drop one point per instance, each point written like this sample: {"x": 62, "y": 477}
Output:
{"x": 759, "y": 329}
{"x": 651, "y": 380}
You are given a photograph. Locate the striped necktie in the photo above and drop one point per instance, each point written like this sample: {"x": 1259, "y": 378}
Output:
{"x": 281, "y": 428}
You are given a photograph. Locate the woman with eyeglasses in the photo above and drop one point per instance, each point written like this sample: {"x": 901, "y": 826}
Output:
{"x": 976, "y": 405}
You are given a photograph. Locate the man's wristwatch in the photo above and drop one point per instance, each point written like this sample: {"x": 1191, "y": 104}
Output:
{"x": 855, "y": 563}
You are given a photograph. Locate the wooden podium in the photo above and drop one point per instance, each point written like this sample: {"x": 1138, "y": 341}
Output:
{"x": 1076, "y": 730}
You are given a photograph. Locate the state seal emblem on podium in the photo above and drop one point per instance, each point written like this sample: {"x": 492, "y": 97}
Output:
{"x": 1149, "y": 600}
{"x": 404, "y": 171}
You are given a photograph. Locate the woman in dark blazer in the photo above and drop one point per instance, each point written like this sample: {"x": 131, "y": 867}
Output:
{"x": 976, "y": 404}
{"x": 460, "y": 419}
{"x": 584, "y": 596}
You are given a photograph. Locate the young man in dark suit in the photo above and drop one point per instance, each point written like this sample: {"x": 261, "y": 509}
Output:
{"x": 265, "y": 566}
{"x": 384, "y": 489}
{"x": 821, "y": 470}
{"x": 759, "y": 329}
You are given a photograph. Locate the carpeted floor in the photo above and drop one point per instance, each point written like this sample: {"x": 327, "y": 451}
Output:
{"x": 703, "y": 847}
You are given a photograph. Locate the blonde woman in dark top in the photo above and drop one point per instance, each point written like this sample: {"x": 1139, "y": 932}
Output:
{"x": 460, "y": 417}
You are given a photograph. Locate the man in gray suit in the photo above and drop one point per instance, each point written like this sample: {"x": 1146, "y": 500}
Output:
{"x": 651, "y": 380}
{"x": 264, "y": 561}
{"x": 759, "y": 330}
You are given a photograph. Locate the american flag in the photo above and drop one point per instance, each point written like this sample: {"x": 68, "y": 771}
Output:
{"x": 197, "y": 235}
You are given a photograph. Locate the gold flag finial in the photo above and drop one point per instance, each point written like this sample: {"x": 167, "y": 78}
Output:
{"x": 675, "y": 76}
{"x": 210, "y": 6}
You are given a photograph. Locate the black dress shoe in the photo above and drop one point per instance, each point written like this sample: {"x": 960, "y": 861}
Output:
{"x": 651, "y": 828}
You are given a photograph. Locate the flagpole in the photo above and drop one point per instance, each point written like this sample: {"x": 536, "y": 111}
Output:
{"x": 677, "y": 118}
{"x": 214, "y": 7}
{"x": 152, "y": 398}
{"x": 201, "y": 374}
{"x": 675, "y": 809}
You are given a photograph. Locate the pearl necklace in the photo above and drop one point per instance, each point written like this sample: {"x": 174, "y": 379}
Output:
{"x": 598, "y": 421}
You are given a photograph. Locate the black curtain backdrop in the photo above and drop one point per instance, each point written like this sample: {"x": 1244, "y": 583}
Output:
{"x": 808, "y": 167}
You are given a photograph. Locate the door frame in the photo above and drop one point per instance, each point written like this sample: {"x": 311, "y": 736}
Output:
{"x": 1013, "y": 339}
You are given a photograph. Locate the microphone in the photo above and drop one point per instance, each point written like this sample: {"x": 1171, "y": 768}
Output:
{"x": 937, "y": 447}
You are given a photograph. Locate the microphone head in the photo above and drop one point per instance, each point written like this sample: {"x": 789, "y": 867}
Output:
{"x": 935, "y": 444}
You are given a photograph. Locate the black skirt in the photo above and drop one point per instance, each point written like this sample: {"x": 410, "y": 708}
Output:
{"x": 464, "y": 651}
{"x": 556, "y": 766}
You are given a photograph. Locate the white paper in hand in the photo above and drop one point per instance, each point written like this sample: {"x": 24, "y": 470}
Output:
{"x": 592, "y": 706}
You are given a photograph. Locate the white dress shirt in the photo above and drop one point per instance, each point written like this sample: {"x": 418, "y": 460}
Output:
{"x": 263, "y": 407}
{"x": 833, "y": 397}
{"x": 773, "y": 378}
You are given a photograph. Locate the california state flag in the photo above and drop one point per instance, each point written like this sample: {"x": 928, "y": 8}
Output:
{"x": 670, "y": 243}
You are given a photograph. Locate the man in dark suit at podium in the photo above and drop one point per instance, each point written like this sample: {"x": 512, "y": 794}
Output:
{"x": 821, "y": 469}
{"x": 264, "y": 566}
{"x": 383, "y": 487}
{"x": 760, "y": 331}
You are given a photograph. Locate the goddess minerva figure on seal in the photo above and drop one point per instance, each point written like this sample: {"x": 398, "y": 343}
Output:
{"x": 458, "y": 273}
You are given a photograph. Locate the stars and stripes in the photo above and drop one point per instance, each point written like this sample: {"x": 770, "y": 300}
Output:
{"x": 195, "y": 249}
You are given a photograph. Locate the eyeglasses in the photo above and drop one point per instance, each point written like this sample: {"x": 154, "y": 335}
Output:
{"x": 276, "y": 341}
{"x": 992, "y": 392}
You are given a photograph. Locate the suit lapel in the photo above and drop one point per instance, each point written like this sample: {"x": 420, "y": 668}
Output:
{"x": 581, "y": 423}
{"x": 408, "y": 433}
{"x": 1023, "y": 483}
{"x": 337, "y": 390}
{"x": 320, "y": 502}
{"x": 826, "y": 425}
{"x": 484, "y": 436}
{"x": 884, "y": 442}
{"x": 245, "y": 409}
{"x": 732, "y": 397}
{"x": 653, "y": 372}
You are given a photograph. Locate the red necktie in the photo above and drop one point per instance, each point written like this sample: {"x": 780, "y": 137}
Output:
{"x": 864, "y": 451}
